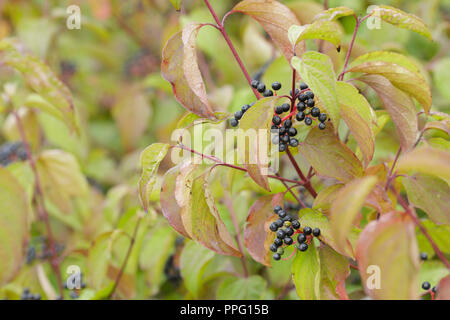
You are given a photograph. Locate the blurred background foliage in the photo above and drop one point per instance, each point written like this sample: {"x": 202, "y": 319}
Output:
{"x": 112, "y": 67}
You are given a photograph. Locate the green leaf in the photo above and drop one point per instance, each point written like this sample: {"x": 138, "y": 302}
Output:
{"x": 334, "y": 13}
{"x": 439, "y": 233}
{"x": 430, "y": 194}
{"x": 306, "y": 274}
{"x": 401, "y": 19}
{"x": 316, "y": 69}
{"x": 433, "y": 271}
{"x": 400, "y": 107}
{"x": 346, "y": 207}
{"x": 255, "y": 152}
{"x": 251, "y": 288}
{"x": 257, "y": 234}
{"x": 329, "y": 156}
{"x": 324, "y": 30}
{"x": 276, "y": 19}
{"x": 315, "y": 219}
{"x": 334, "y": 269}
{"x": 390, "y": 245}
{"x": 42, "y": 80}
{"x": 441, "y": 78}
{"x": 176, "y": 4}
{"x": 426, "y": 160}
{"x": 151, "y": 157}
{"x": 193, "y": 262}
{"x": 359, "y": 117}
{"x": 14, "y": 225}
{"x": 61, "y": 178}
{"x": 172, "y": 69}
{"x": 399, "y": 70}
{"x": 199, "y": 214}
{"x": 326, "y": 197}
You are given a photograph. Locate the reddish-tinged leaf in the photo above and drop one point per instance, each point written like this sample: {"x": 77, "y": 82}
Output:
{"x": 169, "y": 205}
{"x": 443, "y": 125}
{"x": 199, "y": 214}
{"x": 192, "y": 72}
{"x": 334, "y": 269}
{"x": 430, "y": 194}
{"x": 256, "y": 230}
{"x": 326, "y": 197}
{"x": 329, "y": 156}
{"x": 443, "y": 292}
{"x": 346, "y": 207}
{"x": 276, "y": 19}
{"x": 399, "y": 105}
{"x": 173, "y": 71}
{"x": 389, "y": 245}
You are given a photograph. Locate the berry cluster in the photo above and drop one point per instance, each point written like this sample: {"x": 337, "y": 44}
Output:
{"x": 38, "y": 249}
{"x": 11, "y": 152}
{"x": 284, "y": 236}
{"x": 27, "y": 295}
{"x": 238, "y": 114}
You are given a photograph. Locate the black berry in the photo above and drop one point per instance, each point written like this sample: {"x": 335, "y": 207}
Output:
{"x": 279, "y": 223}
{"x": 282, "y": 147}
{"x": 293, "y": 142}
{"x": 276, "y": 120}
{"x": 426, "y": 285}
{"x": 261, "y": 87}
{"x": 276, "y": 256}
{"x": 273, "y": 247}
{"x": 287, "y": 123}
{"x": 273, "y": 227}
{"x": 268, "y": 93}
{"x": 307, "y": 231}
{"x": 423, "y": 256}
{"x": 303, "y": 86}
{"x": 277, "y": 242}
{"x": 308, "y": 121}
{"x": 234, "y": 122}
{"x": 309, "y": 94}
{"x": 255, "y": 83}
{"x": 279, "y": 110}
{"x": 238, "y": 115}
{"x": 322, "y": 126}
{"x": 300, "y": 116}
{"x": 301, "y": 238}
{"x": 323, "y": 117}
{"x": 276, "y": 86}
{"x": 302, "y": 247}
{"x": 301, "y": 106}
{"x": 315, "y": 112}
{"x": 282, "y": 213}
{"x": 316, "y": 232}
{"x": 288, "y": 241}
{"x": 295, "y": 224}
{"x": 310, "y": 103}
{"x": 286, "y": 107}
{"x": 292, "y": 132}
{"x": 276, "y": 209}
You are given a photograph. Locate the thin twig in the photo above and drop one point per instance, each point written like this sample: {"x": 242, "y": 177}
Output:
{"x": 41, "y": 202}
{"x": 412, "y": 213}
{"x": 127, "y": 257}
{"x": 390, "y": 176}
{"x": 302, "y": 177}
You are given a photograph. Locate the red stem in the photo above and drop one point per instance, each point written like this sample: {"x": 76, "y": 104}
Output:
{"x": 45, "y": 216}
{"x": 224, "y": 33}
{"x": 411, "y": 212}
{"x": 302, "y": 177}
{"x": 349, "y": 51}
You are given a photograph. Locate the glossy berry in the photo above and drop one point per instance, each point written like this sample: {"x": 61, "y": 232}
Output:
{"x": 315, "y": 112}
{"x": 286, "y": 107}
{"x": 281, "y": 234}
{"x": 292, "y": 132}
{"x": 309, "y": 94}
{"x": 310, "y": 103}
{"x": 287, "y": 123}
{"x": 282, "y": 147}
{"x": 234, "y": 122}
{"x": 289, "y": 231}
{"x": 279, "y": 110}
{"x": 301, "y": 106}
{"x": 261, "y": 87}
{"x": 301, "y": 238}
{"x": 316, "y": 232}
{"x": 282, "y": 130}
{"x": 288, "y": 241}
{"x": 323, "y": 117}
{"x": 255, "y": 83}
{"x": 273, "y": 227}
{"x": 300, "y": 116}
{"x": 279, "y": 223}
{"x": 423, "y": 256}
{"x": 308, "y": 121}
{"x": 285, "y": 139}
{"x": 282, "y": 213}
{"x": 322, "y": 126}
{"x": 278, "y": 242}
{"x": 273, "y": 247}
{"x": 303, "y": 86}
{"x": 302, "y": 247}
{"x": 276, "y": 256}
{"x": 293, "y": 142}
{"x": 277, "y": 209}
{"x": 302, "y": 97}
{"x": 296, "y": 92}
{"x": 276, "y": 120}
{"x": 434, "y": 289}
{"x": 426, "y": 285}
{"x": 245, "y": 107}
{"x": 276, "y": 86}
{"x": 307, "y": 231}
{"x": 295, "y": 224}
{"x": 268, "y": 93}
{"x": 287, "y": 218}
{"x": 238, "y": 115}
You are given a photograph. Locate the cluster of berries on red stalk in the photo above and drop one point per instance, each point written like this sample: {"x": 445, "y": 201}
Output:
{"x": 426, "y": 285}
{"x": 11, "y": 152}
{"x": 284, "y": 236}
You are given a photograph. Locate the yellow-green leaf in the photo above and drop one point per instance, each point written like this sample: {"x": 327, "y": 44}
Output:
{"x": 151, "y": 157}
{"x": 401, "y": 19}
{"x": 347, "y": 205}
{"x": 316, "y": 69}
{"x": 334, "y": 13}
{"x": 359, "y": 117}
{"x": 324, "y": 30}
{"x": 426, "y": 160}
{"x": 306, "y": 274}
